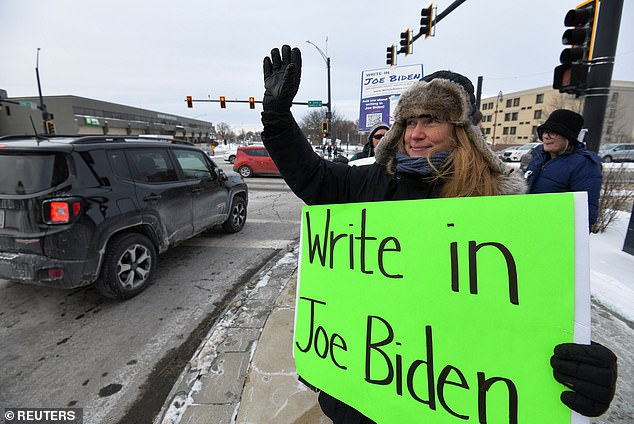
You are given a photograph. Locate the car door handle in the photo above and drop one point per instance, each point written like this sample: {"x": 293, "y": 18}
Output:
{"x": 152, "y": 198}
{"x": 197, "y": 190}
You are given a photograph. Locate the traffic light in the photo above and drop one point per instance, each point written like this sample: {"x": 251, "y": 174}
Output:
{"x": 426, "y": 20}
{"x": 324, "y": 129}
{"x": 405, "y": 42}
{"x": 223, "y": 102}
{"x": 251, "y": 102}
{"x": 390, "y": 55}
{"x": 571, "y": 75}
{"x": 190, "y": 102}
{"x": 50, "y": 127}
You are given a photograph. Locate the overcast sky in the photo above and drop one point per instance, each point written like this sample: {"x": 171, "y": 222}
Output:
{"x": 151, "y": 54}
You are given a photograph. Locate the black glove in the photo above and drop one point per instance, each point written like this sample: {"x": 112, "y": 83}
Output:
{"x": 281, "y": 79}
{"x": 590, "y": 371}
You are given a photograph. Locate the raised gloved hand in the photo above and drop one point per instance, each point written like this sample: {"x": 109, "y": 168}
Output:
{"x": 281, "y": 79}
{"x": 590, "y": 372}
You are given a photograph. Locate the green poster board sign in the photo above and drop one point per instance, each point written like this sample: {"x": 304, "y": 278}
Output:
{"x": 443, "y": 310}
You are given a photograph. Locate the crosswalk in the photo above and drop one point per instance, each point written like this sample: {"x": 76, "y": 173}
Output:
{"x": 266, "y": 184}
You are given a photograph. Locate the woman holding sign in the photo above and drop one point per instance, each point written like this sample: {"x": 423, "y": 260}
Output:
{"x": 433, "y": 150}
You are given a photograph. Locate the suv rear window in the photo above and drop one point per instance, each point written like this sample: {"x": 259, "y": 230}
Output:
{"x": 28, "y": 173}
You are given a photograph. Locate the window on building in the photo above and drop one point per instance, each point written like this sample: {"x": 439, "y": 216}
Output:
{"x": 507, "y": 116}
{"x": 490, "y": 105}
{"x": 539, "y": 98}
{"x": 513, "y": 130}
{"x": 516, "y": 101}
{"x": 509, "y": 102}
{"x": 505, "y": 131}
{"x": 514, "y": 116}
{"x": 537, "y": 114}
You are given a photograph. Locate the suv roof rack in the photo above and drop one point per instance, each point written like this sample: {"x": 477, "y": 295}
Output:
{"x": 87, "y": 139}
{"x": 125, "y": 138}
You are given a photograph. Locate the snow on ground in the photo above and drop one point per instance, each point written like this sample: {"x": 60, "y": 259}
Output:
{"x": 611, "y": 269}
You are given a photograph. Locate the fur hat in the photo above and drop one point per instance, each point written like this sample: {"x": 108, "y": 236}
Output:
{"x": 444, "y": 99}
{"x": 563, "y": 122}
{"x": 463, "y": 81}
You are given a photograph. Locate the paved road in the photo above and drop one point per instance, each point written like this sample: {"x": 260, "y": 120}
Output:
{"x": 75, "y": 349}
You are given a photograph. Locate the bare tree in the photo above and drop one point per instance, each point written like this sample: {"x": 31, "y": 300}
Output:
{"x": 224, "y": 130}
{"x": 340, "y": 128}
{"x": 564, "y": 101}
{"x": 616, "y": 195}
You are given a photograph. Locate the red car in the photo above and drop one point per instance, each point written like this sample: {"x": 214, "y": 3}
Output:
{"x": 254, "y": 160}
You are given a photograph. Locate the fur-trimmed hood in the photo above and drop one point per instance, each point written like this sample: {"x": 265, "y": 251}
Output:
{"x": 447, "y": 101}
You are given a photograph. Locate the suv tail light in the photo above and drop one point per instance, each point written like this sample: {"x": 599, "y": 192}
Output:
{"x": 61, "y": 211}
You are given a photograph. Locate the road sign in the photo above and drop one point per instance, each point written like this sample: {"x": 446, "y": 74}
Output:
{"x": 315, "y": 103}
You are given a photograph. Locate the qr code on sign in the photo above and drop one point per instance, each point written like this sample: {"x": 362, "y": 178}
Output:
{"x": 372, "y": 119}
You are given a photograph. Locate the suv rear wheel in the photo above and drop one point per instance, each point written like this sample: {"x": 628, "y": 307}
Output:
{"x": 128, "y": 266}
{"x": 245, "y": 171}
{"x": 237, "y": 216}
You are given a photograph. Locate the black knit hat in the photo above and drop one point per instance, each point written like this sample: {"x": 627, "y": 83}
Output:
{"x": 563, "y": 122}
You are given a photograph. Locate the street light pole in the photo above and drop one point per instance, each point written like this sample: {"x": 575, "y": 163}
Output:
{"x": 39, "y": 88}
{"x": 329, "y": 104}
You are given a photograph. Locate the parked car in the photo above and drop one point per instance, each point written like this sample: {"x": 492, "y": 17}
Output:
{"x": 515, "y": 154}
{"x": 500, "y": 153}
{"x": 617, "y": 152}
{"x": 99, "y": 209}
{"x": 230, "y": 155}
{"x": 254, "y": 160}
{"x": 319, "y": 151}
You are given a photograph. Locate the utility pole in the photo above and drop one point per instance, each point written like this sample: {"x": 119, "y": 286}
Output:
{"x": 329, "y": 104}
{"x": 601, "y": 67}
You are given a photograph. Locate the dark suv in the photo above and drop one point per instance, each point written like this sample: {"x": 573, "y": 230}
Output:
{"x": 79, "y": 210}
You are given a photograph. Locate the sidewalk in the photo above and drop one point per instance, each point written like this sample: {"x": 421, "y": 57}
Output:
{"x": 244, "y": 372}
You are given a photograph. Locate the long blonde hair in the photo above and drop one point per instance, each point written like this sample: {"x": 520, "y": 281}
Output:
{"x": 471, "y": 175}
{"x": 466, "y": 172}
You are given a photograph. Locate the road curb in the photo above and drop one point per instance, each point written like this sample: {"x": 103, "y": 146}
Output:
{"x": 210, "y": 387}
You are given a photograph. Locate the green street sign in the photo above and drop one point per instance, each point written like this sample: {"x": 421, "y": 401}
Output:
{"x": 315, "y": 103}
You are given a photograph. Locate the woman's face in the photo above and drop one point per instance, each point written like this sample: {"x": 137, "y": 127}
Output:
{"x": 554, "y": 143}
{"x": 424, "y": 136}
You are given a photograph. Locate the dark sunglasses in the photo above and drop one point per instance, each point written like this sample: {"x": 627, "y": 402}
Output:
{"x": 378, "y": 136}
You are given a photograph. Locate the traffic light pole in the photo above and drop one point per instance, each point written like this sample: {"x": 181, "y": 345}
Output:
{"x": 441, "y": 16}
{"x": 600, "y": 73}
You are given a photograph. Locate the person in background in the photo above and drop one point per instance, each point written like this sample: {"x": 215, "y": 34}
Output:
{"x": 432, "y": 150}
{"x": 374, "y": 137}
{"x": 563, "y": 164}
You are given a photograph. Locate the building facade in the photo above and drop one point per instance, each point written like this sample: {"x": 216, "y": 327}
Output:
{"x": 513, "y": 118}
{"x": 73, "y": 115}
